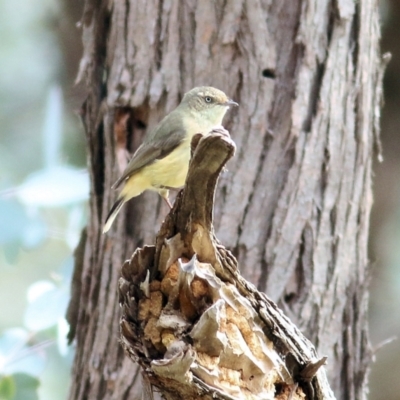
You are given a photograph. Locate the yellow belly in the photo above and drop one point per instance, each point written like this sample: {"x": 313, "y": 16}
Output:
{"x": 170, "y": 171}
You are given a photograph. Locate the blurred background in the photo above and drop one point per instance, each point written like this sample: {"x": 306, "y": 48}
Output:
{"x": 43, "y": 193}
{"x": 41, "y": 216}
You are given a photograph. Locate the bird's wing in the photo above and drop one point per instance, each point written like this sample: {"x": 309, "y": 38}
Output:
{"x": 148, "y": 153}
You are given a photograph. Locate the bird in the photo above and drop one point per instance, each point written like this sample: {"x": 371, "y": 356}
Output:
{"x": 162, "y": 160}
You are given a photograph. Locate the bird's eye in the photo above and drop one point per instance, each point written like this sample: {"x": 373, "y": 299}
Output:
{"x": 208, "y": 99}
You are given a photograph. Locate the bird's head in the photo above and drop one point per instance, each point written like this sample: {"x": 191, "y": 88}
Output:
{"x": 209, "y": 103}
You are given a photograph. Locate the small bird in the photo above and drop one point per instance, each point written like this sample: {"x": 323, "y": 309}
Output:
{"x": 162, "y": 160}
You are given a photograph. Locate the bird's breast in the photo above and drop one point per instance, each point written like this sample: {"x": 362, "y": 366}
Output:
{"x": 171, "y": 170}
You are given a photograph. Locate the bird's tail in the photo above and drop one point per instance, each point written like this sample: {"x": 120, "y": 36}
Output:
{"x": 113, "y": 213}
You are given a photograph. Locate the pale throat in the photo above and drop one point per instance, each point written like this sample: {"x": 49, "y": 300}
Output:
{"x": 210, "y": 118}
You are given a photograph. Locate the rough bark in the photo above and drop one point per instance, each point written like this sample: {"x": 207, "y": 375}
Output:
{"x": 294, "y": 204}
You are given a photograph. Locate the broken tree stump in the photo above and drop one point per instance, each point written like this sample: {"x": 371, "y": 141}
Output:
{"x": 190, "y": 320}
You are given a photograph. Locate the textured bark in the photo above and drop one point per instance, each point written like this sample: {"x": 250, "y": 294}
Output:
{"x": 294, "y": 204}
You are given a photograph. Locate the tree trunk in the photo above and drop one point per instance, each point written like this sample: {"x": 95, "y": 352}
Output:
{"x": 294, "y": 204}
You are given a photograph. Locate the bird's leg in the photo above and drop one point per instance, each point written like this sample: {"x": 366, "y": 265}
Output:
{"x": 168, "y": 202}
{"x": 164, "y": 193}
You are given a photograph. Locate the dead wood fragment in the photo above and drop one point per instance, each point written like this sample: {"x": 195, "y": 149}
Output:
{"x": 197, "y": 328}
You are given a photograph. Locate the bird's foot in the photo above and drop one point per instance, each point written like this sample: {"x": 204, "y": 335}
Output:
{"x": 221, "y": 130}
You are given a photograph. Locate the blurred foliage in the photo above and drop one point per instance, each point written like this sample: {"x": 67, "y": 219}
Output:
{"x": 19, "y": 387}
{"x": 42, "y": 202}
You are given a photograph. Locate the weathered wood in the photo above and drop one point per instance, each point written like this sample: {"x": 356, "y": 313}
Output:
{"x": 294, "y": 203}
{"x": 175, "y": 320}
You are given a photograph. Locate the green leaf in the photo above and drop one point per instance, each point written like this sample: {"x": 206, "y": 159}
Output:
{"x": 26, "y": 386}
{"x": 7, "y": 388}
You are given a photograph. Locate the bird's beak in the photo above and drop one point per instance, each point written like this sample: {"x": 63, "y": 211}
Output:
{"x": 231, "y": 103}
